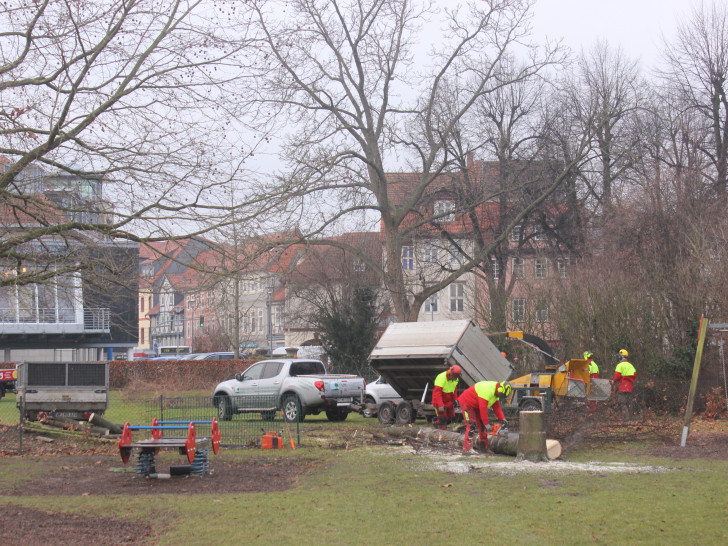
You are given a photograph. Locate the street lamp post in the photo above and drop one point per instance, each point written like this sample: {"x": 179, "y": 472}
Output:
{"x": 269, "y": 305}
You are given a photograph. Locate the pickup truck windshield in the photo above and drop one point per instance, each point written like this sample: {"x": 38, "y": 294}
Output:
{"x": 307, "y": 368}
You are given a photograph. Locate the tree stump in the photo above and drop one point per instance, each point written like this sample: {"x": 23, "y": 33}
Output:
{"x": 532, "y": 437}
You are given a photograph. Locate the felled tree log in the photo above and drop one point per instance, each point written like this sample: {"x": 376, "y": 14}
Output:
{"x": 99, "y": 421}
{"x": 503, "y": 445}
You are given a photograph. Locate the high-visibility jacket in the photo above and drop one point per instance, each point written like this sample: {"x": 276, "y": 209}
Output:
{"x": 593, "y": 369}
{"x": 478, "y": 398}
{"x": 624, "y": 376}
{"x": 445, "y": 391}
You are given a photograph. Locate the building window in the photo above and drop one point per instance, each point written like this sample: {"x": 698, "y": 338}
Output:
{"x": 518, "y": 310}
{"x": 563, "y": 265}
{"x": 542, "y": 312}
{"x": 457, "y": 296}
{"x": 444, "y": 211}
{"x": 541, "y": 268}
{"x": 457, "y": 257}
{"x": 141, "y": 336}
{"x": 431, "y": 253}
{"x": 142, "y": 304}
{"x": 516, "y": 234}
{"x": 495, "y": 268}
{"x": 539, "y": 233}
{"x": 261, "y": 324}
{"x": 408, "y": 257}
{"x": 359, "y": 265}
{"x": 519, "y": 268}
{"x": 432, "y": 304}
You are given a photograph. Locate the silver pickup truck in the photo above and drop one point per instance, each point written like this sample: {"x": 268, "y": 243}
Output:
{"x": 297, "y": 387}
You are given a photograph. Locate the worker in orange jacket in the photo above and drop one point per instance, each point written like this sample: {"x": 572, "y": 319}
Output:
{"x": 475, "y": 402}
{"x": 444, "y": 395}
{"x": 624, "y": 376}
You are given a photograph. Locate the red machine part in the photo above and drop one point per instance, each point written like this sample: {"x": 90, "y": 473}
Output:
{"x": 156, "y": 432}
{"x": 216, "y": 436}
{"x": 125, "y": 443}
{"x": 190, "y": 443}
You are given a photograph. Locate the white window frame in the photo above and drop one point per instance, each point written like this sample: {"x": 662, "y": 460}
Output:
{"x": 539, "y": 233}
{"x": 541, "y": 313}
{"x": 432, "y": 304}
{"x": 431, "y": 253}
{"x": 562, "y": 264}
{"x": 445, "y": 208}
{"x": 408, "y": 258}
{"x": 359, "y": 265}
{"x": 495, "y": 269}
{"x": 516, "y": 233}
{"x": 455, "y": 254}
{"x": 518, "y": 266}
{"x": 457, "y": 297}
{"x": 518, "y": 310}
{"x": 541, "y": 268}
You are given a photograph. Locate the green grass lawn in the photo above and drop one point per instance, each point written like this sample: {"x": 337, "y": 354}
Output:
{"x": 389, "y": 495}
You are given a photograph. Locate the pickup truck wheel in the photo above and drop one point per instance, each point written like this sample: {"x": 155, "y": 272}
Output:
{"x": 530, "y": 405}
{"x": 386, "y": 413}
{"x": 291, "y": 409}
{"x": 368, "y": 413}
{"x": 268, "y": 415}
{"x": 224, "y": 411}
{"x": 404, "y": 413}
{"x": 337, "y": 415}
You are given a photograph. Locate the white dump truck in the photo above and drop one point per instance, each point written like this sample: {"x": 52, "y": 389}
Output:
{"x": 409, "y": 356}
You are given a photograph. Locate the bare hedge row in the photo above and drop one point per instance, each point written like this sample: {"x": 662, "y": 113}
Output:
{"x": 189, "y": 373}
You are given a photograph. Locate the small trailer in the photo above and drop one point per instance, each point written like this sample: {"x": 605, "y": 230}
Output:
{"x": 69, "y": 389}
{"x": 409, "y": 356}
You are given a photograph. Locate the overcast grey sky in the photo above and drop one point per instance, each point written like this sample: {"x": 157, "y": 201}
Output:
{"x": 636, "y": 25}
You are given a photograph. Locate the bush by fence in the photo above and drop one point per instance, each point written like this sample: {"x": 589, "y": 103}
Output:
{"x": 173, "y": 374}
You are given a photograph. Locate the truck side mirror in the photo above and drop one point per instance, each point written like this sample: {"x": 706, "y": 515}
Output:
{"x": 238, "y": 377}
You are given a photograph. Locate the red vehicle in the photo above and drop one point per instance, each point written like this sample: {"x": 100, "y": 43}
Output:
{"x": 7, "y": 381}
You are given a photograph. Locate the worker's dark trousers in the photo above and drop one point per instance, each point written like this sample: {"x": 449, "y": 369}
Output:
{"x": 625, "y": 402}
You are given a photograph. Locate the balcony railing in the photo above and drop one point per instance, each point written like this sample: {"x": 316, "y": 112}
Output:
{"x": 47, "y": 320}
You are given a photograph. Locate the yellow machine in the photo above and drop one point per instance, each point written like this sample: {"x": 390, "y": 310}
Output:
{"x": 538, "y": 390}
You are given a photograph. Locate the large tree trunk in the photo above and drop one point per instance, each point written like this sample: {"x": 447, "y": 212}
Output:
{"x": 104, "y": 423}
{"x": 532, "y": 439}
{"x": 504, "y": 445}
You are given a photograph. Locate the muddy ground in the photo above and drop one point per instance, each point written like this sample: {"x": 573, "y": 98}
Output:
{"x": 74, "y": 468}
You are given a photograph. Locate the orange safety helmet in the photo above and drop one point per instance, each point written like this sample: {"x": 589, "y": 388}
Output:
{"x": 454, "y": 371}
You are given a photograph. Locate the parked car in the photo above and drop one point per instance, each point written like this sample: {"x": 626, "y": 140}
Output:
{"x": 297, "y": 387}
{"x": 377, "y": 392}
{"x": 190, "y": 356}
{"x": 166, "y": 357}
{"x": 218, "y": 356}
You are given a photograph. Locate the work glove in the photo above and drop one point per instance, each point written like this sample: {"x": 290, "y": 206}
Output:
{"x": 504, "y": 423}
{"x": 487, "y": 429}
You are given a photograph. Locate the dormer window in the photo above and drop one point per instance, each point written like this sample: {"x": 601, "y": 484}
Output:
{"x": 444, "y": 211}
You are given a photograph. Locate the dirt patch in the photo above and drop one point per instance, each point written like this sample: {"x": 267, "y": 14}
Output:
{"x": 36, "y": 527}
{"x": 699, "y": 445}
{"x": 106, "y": 475}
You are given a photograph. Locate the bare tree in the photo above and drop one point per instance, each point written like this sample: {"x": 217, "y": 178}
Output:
{"x": 117, "y": 118}
{"x": 698, "y": 71}
{"x": 350, "y": 76}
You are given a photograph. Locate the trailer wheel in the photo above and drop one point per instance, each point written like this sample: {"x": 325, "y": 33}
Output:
{"x": 530, "y": 405}
{"x": 405, "y": 414}
{"x": 336, "y": 415}
{"x": 368, "y": 413}
{"x": 386, "y": 413}
{"x": 268, "y": 415}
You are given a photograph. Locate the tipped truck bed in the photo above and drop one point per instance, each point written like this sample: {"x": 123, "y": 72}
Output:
{"x": 409, "y": 355}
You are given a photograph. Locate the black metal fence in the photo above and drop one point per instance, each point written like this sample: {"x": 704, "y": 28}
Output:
{"x": 238, "y": 429}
